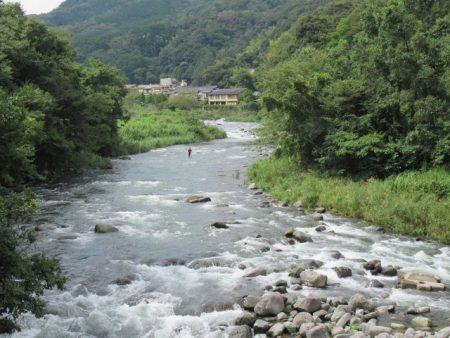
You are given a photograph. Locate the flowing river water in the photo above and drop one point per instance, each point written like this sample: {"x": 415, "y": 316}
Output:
{"x": 166, "y": 270}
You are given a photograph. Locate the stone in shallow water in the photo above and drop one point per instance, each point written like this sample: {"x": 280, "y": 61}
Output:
{"x": 342, "y": 271}
{"x": 420, "y": 281}
{"x": 276, "y": 330}
{"x": 198, "y": 199}
{"x": 313, "y": 279}
{"x": 242, "y": 331}
{"x": 261, "y": 326}
{"x": 219, "y": 225}
{"x": 246, "y": 318}
{"x": 105, "y": 228}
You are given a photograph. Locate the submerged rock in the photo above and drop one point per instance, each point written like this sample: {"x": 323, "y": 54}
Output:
{"x": 342, "y": 271}
{"x": 219, "y": 225}
{"x": 105, "y": 228}
{"x": 301, "y": 236}
{"x": 198, "y": 199}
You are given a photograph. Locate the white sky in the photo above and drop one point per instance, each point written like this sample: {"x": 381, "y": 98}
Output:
{"x": 37, "y": 6}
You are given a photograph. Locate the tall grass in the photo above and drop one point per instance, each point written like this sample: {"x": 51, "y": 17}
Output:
{"x": 161, "y": 129}
{"x": 414, "y": 203}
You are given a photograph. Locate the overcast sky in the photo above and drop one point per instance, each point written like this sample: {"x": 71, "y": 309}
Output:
{"x": 37, "y": 6}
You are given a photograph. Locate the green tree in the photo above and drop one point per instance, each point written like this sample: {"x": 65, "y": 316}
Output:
{"x": 24, "y": 272}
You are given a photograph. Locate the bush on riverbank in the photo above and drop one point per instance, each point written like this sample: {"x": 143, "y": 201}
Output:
{"x": 162, "y": 129}
{"x": 412, "y": 203}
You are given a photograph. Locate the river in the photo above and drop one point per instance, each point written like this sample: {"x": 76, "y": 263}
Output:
{"x": 166, "y": 269}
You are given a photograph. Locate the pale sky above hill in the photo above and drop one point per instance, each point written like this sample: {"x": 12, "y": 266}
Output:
{"x": 37, "y": 6}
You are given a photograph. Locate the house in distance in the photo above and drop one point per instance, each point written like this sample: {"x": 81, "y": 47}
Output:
{"x": 228, "y": 96}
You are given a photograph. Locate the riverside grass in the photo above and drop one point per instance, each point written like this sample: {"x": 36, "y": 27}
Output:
{"x": 413, "y": 203}
{"x": 161, "y": 129}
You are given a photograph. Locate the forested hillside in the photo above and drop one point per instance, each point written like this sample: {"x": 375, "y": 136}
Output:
{"x": 363, "y": 88}
{"x": 147, "y": 39}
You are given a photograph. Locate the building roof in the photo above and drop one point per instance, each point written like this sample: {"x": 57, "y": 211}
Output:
{"x": 227, "y": 91}
{"x": 205, "y": 89}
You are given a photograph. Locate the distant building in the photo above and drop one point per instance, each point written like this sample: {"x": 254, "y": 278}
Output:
{"x": 201, "y": 93}
{"x": 168, "y": 83}
{"x": 225, "y": 96}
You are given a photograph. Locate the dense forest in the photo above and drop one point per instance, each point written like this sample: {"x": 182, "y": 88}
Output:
{"x": 362, "y": 88}
{"x": 196, "y": 40}
{"x": 55, "y": 116}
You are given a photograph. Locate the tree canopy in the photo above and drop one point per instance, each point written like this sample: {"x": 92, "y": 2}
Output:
{"x": 362, "y": 88}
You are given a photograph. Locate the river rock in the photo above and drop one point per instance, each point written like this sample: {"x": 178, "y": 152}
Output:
{"x": 219, "y": 225}
{"x": 289, "y": 232}
{"x": 375, "y": 330}
{"x": 374, "y": 283}
{"x": 290, "y": 327}
{"x": 270, "y": 304}
{"x": 249, "y": 302}
{"x": 43, "y": 227}
{"x": 313, "y": 279}
{"x": 105, "y": 228}
{"x": 342, "y": 271}
{"x": 125, "y": 158}
{"x": 301, "y": 236}
{"x": 443, "y": 333}
{"x": 256, "y": 272}
{"x": 67, "y": 237}
{"x": 320, "y": 210}
{"x": 281, "y": 317}
{"x": 374, "y": 266}
{"x": 253, "y": 186}
{"x": 261, "y": 326}
{"x": 421, "y": 322}
{"x": 418, "y": 310}
{"x": 310, "y": 264}
{"x": 317, "y": 217}
{"x": 359, "y": 301}
{"x": 296, "y": 271}
{"x": 198, "y": 199}
{"x": 242, "y": 331}
{"x": 342, "y": 322}
{"x": 321, "y": 228}
{"x": 420, "y": 281}
{"x": 298, "y": 204}
{"x": 302, "y": 317}
{"x": 246, "y": 318}
{"x": 335, "y": 254}
{"x": 276, "y": 330}
{"x": 319, "y": 331}
{"x": 308, "y": 304}
{"x": 389, "y": 271}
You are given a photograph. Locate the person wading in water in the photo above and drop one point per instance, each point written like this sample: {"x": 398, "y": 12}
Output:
{"x": 189, "y": 152}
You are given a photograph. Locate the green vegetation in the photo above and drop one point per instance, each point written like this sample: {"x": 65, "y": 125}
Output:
{"x": 194, "y": 40}
{"x": 56, "y": 116}
{"x": 362, "y": 89}
{"x": 161, "y": 129}
{"x": 411, "y": 203}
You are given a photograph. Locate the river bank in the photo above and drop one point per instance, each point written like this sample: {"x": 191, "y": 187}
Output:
{"x": 414, "y": 204}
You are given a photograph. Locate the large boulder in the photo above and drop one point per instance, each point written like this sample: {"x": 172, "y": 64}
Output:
{"x": 301, "y": 236}
{"x": 420, "y": 281}
{"x": 198, "y": 199}
{"x": 249, "y": 302}
{"x": 270, "y": 304}
{"x": 313, "y": 279}
{"x": 105, "y": 228}
{"x": 308, "y": 304}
